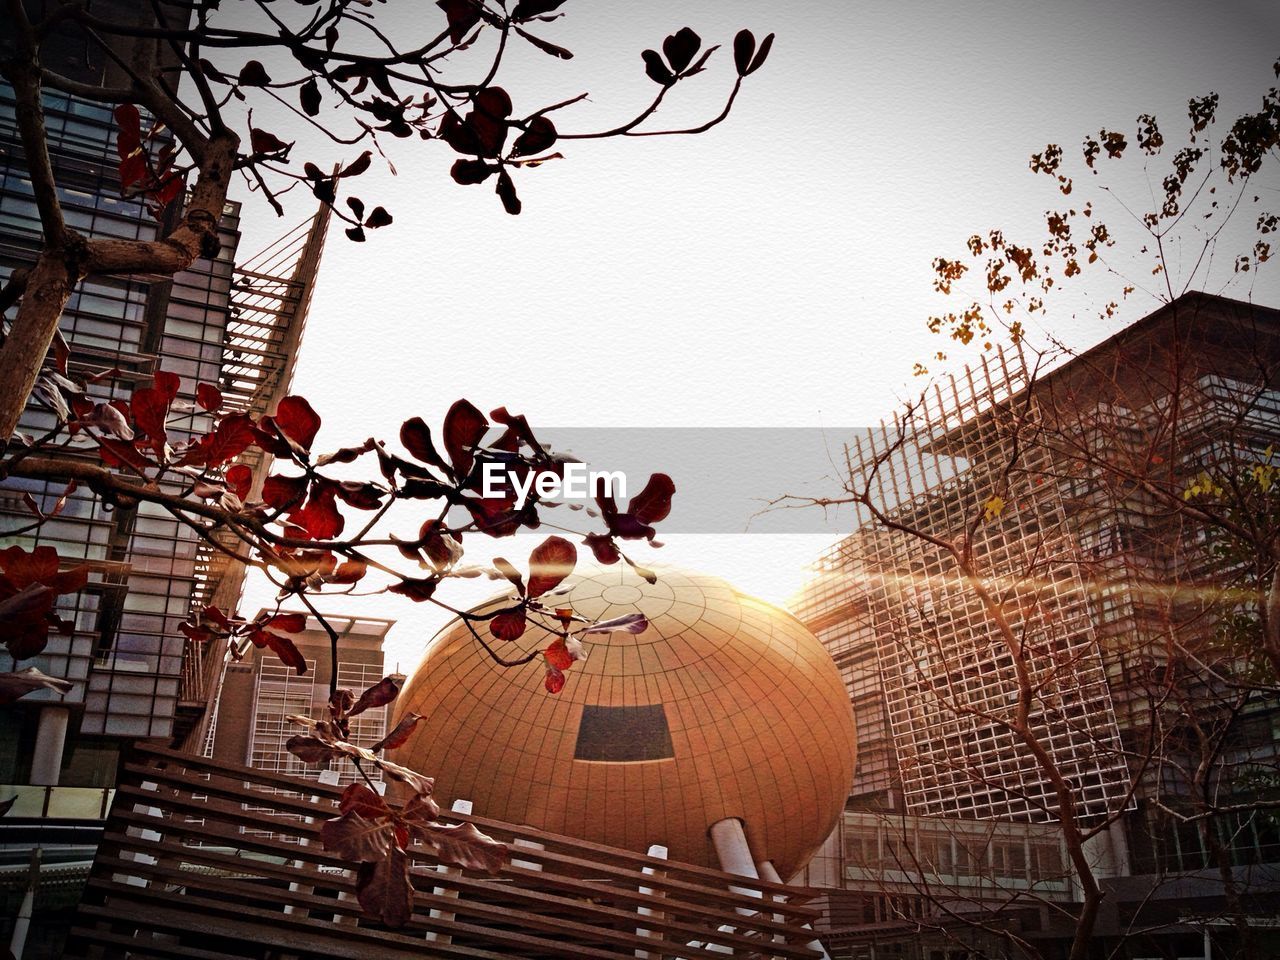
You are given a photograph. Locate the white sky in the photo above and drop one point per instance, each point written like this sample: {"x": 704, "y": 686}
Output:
{"x": 772, "y": 272}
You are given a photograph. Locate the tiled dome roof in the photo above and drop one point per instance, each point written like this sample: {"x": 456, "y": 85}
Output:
{"x": 724, "y": 707}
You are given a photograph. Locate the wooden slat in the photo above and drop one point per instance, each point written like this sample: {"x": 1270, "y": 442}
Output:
{"x": 792, "y": 896}
{"x": 226, "y": 873}
{"x": 511, "y": 893}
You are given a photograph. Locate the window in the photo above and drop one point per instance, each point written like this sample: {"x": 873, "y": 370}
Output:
{"x": 624, "y": 734}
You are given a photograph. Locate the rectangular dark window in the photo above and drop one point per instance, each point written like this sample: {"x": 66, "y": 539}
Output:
{"x": 624, "y": 734}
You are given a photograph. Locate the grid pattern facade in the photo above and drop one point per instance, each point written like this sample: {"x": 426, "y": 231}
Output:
{"x": 126, "y": 653}
{"x": 134, "y": 673}
{"x": 948, "y": 683}
{"x": 282, "y": 692}
{"x": 257, "y": 694}
{"x": 759, "y": 724}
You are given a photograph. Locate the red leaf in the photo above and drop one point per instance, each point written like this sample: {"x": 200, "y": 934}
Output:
{"x": 357, "y": 166}
{"x": 281, "y": 493}
{"x": 539, "y": 136}
{"x": 653, "y": 503}
{"x": 22, "y": 568}
{"x": 288, "y": 622}
{"x": 266, "y": 142}
{"x": 462, "y": 844}
{"x": 240, "y": 479}
{"x": 362, "y": 496}
{"x": 215, "y": 615}
{"x": 602, "y": 545}
{"x": 656, "y": 69}
{"x": 378, "y": 695}
{"x": 378, "y": 217}
{"x": 24, "y": 620}
{"x": 167, "y": 383}
{"x": 117, "y": 453}
{"x": 345, "y": 454}
{"x": 282, "y": 647}
{"x": 765, "y": 46}
{"x": 349, "y": 571}
{"x": 506, "y": 191}
{"x": 744, "y": 45}
{"x": 495, "y": 518}
{"x": 353, "y": 836}
{"x": 420, "y": 785}
{"x": 508, "y": 570}
{"x": 558, "y": 655}
{"x": 509, "y": 625}
{"x": 310, "y": 749}
{"x": 129, "y": 129}
{"x": 546, "y": 46}
{"x": 309, "y": 97}
{"x": 359, "y": 799}
{"x": 555, "y": 679}
{"x": 132, "y": 169}
{"x": 232, "y": 438}
{"x": 549, "y": 563}
{"x": 320, "y": 517}
{"x": 681, "y": 47}
{"x": 529, "y": 9}
{"x": 253, "y": 74}
{"x": 464, "y": 428}
{"x": 415, "y": 589}
{"x": 415, "y": 435}
{"x": 209, "y": 397}
{"x": 150, "y": 407}
{"x": 168, "y": 190}
{"x": 467, "y": 172}
{"x": 384, "y": 890}
{"x": 400, "y": 735}
{"x": 462, "y": 16}
{"x": 297, "y": 421}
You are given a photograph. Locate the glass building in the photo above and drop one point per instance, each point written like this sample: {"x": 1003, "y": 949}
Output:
{"x": 133, "y": 673}
{"x": 1065, "y": 488}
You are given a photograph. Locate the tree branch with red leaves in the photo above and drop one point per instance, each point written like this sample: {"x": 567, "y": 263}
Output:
{"x": 185, "y": 123}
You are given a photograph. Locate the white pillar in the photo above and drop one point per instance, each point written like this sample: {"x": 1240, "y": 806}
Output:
{"x": 770, "y": 873}
{"x": 51, "y": 740}
{"x": 658, "y": 851}
{"x": 732, "y": 850}
{"x": 459, "y": 806}
{"x": 1108, "y": 852}
{"x": 734, "y": 854}
{"x": 22, "y": 923}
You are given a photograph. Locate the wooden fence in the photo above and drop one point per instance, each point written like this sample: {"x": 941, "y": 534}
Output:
{"x": 207, "y": 860}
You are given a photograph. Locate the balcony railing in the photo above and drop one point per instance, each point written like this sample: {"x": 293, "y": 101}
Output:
{"x": 57, "y": 803}
{"x": 198, "y": 853}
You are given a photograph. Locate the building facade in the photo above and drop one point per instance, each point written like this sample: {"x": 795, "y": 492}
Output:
{"x": 133, "y": 674}
{"x": 250, "y": 721}
{"x": 1070, "y": 496}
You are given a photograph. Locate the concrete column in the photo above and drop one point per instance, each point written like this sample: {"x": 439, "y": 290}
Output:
{"x": 51, "y": 741}
{"x": 732, "y": 851}
{"x": 660, "y": 852}
{"x": 22, "y": 922}
{"x": 734, "y": 854}
{"x": 1108, "y": 852}
{"x": 770, "y": 873}
{"x": 330, "y": 777}
{"x": 459, "y": 806}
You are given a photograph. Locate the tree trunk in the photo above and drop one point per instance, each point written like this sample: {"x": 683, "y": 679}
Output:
{"x": 48, "y": 288}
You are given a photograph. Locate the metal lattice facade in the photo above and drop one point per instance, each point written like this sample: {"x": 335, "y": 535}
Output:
{"x": 948, "y": 683}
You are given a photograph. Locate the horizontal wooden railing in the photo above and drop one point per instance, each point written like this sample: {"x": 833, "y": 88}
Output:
{"x": 202, "y": 859}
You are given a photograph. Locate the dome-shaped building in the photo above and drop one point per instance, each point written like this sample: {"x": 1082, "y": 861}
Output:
{"x": 724, "y": 708}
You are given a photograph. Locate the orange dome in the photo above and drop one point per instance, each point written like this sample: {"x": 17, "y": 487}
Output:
{"x": 724, "y": 707}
